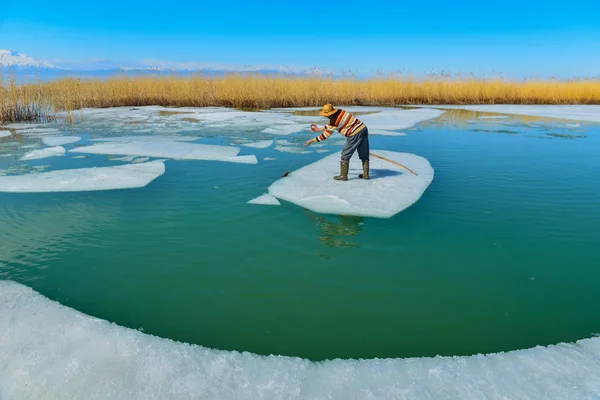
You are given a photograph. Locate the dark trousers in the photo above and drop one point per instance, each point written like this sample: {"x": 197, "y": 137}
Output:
{"x": 358, "y": 142}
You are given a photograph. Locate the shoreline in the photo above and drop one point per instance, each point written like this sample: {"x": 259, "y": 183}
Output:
{"x": 40, "y": 102}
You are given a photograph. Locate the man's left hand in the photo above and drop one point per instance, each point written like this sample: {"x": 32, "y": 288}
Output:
{"x": 308, "y": 143}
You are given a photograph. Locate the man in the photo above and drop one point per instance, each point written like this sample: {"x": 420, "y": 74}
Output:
{"x": 356, "y": 133}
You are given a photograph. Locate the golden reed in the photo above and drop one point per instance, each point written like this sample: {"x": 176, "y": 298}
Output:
{"x": 39, "y": 101}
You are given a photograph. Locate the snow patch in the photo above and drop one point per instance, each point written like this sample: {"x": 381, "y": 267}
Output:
{"x": 146, "y": 138}
{"x": 60, "y": 140}
{"x": 389, "y": 120}
{"x": 259, "y": 145}
{"x": 292, "y": 149}
{"x": 19, "y": 126}
{"x": 50, "y": 351}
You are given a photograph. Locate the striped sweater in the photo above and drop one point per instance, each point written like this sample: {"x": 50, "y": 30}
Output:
{"x": 346, "y": 123}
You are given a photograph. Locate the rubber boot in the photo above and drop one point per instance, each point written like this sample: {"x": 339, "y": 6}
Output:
{"x": 343, "y": 176}
{"x": 365, "y": 174}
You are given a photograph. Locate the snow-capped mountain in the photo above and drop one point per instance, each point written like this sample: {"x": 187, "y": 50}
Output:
{"x": 12, "y": 59}
{"x": 25, "y": 68}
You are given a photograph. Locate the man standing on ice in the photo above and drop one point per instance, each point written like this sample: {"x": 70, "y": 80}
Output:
{"x": 356, "y": 133}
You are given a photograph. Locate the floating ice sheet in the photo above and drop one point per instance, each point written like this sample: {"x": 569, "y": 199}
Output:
{"x": 265, "y": 199}
{"x": 147, "y": 138}
{"x": 50, "y": 351}
{"x": 259, "y": 145}
{"x": 124, "y": 159}
{"x": 39, "y": 131}
{"x": 22, "y": 126}
{"x": 389, "y": 120}
{"x": 169, "y": 149}
{"x": 44, "y": 153}
{"x": 60, "y": 140}
{"x": 84, "y": 179}
{"x": 390, "y": 190}
{"x": 590, "y": 113}
{"x": 269, "y": 158}
{"x": 292, "y": 149}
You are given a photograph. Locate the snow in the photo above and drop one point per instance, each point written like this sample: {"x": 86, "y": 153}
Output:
{"x": 50, "y": 351}
{"x": 84, "y": 179}
{"x": 169, "y": 149}
{"x": 13, "y": 59}
{"x": 283, "y": 129}
{"x": 60, "y": 140}
{"x": 19, "y": 126}
{"x": 589, "y": 113}
{"x": 39, "y": 131}
{"x": 4, "y": 133}
{"x": 147, "y": 138}
{"x": 44, "y": 153}
{"x": 265, "y": 199}
{"x": 292, "y": 149}
{"x": 390, "y": 119}
{"x": 124, "y": 159}
{"x": 390, "y": 190}
{"x": 259, "y": 145}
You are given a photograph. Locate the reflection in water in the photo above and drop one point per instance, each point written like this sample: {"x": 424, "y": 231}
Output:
{"x": 334, "y": 234}
{"x": 488, "y": 122}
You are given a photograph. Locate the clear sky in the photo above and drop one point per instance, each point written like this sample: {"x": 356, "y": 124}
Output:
{"x": 515, "y": 37}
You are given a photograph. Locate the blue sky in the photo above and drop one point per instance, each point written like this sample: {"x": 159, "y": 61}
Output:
{"x": 516, "y": 38}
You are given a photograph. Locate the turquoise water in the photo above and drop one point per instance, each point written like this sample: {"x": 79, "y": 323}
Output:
{"x": 500, "y": 253}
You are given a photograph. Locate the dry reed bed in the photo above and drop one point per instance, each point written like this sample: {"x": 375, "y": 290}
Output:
{"x": 38, "y": 101}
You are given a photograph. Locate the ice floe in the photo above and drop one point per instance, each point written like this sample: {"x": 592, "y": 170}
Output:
{"x": 39, "y": 132}
{"x": 84, "y": 179}
{"x": 265, "y": 199}
{"x": 60, "y": 140}
{"x": 44, "y": 153}
{"x": 269, "y": 159}
{"x": 590, "y": 113}
{"x": 124, "y": 159}
{"x": 4, "y": 133}
{"x": 140, "y": 160}
{"x": 292, "y": 149}
{"x": 169, "y": 149}
{"x": 146, "y": 138}
{"x": 19, "y": 126}
{"x": 389, "y": 120}
{"x": 52, "y": 351}
{"x": 259, "y": 145}
{"x": 390, "y": 190}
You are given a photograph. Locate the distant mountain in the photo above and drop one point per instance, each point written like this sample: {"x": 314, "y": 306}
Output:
{"x": 27, "y": 69}
{"x": 12, "y": 59}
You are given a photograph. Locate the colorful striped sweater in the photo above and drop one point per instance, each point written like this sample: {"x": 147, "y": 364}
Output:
{"x": 346, "y": 123}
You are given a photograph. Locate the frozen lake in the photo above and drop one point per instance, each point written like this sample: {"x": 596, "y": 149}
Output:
{"x": 497, "y": 252}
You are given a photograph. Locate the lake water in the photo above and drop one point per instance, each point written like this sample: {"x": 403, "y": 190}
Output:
{"x": 500, "y": 253}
